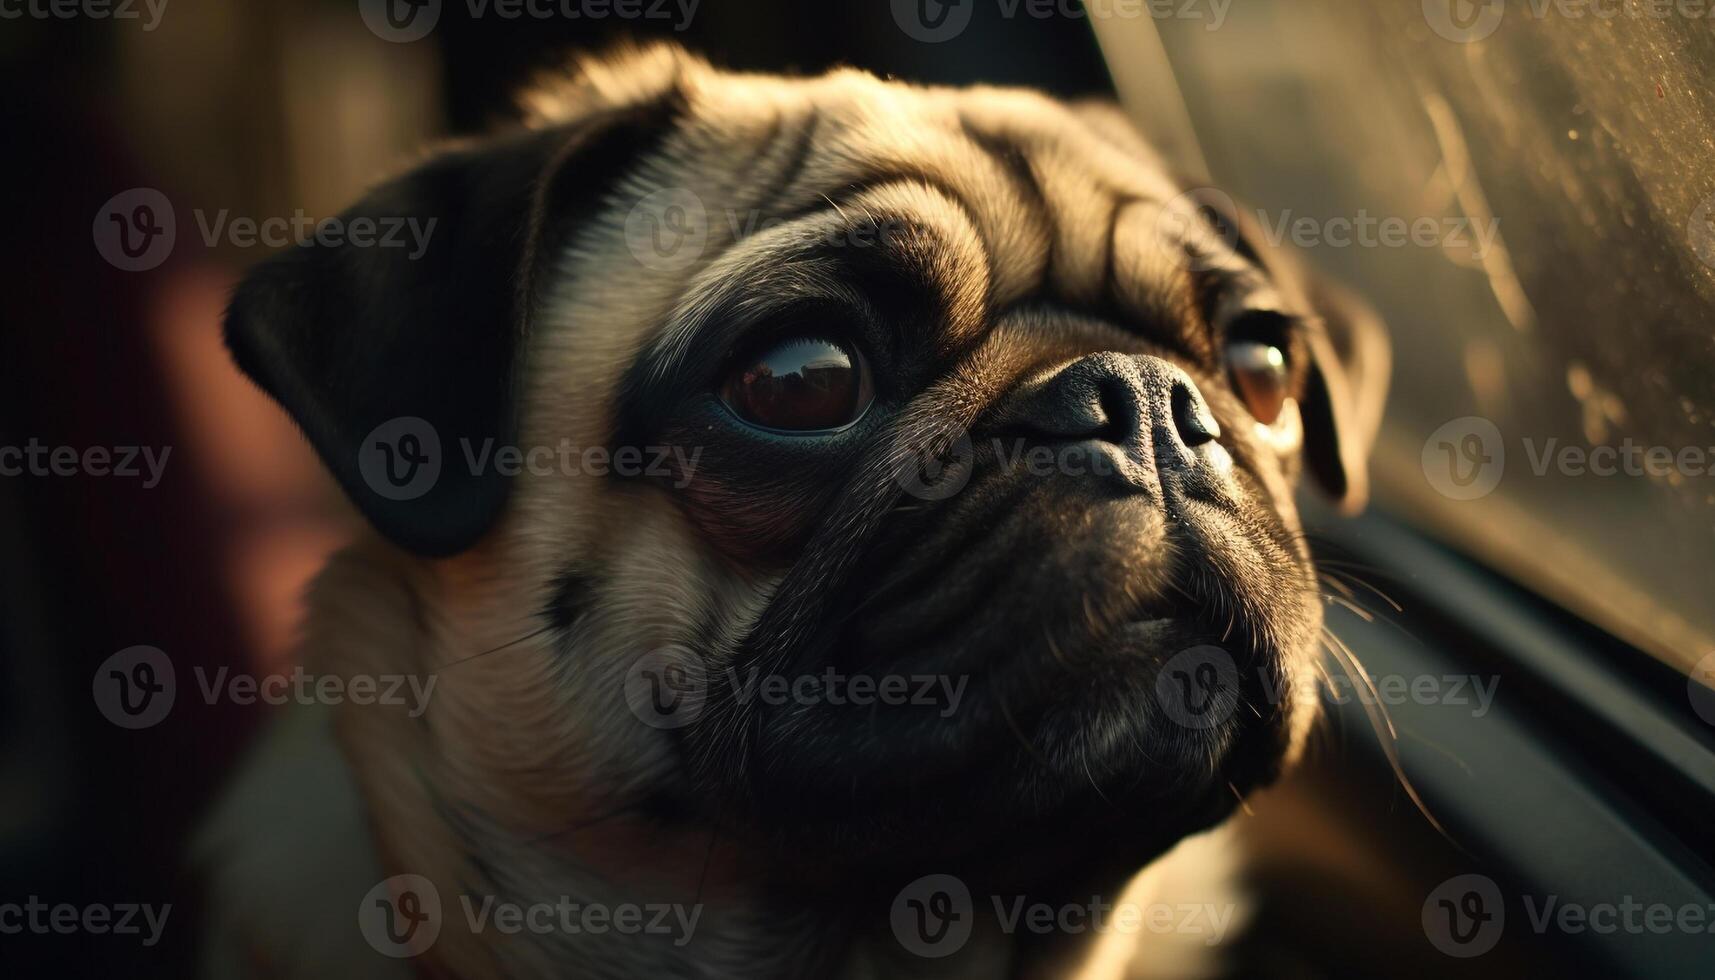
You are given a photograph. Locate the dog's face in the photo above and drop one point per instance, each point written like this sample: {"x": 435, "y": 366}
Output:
{"x": 977, "y": 441}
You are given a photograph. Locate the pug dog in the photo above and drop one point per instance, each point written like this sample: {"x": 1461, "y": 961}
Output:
{"x": 829, "y": 509}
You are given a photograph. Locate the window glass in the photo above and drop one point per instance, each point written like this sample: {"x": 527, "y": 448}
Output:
{"x": 1527, "y": 192}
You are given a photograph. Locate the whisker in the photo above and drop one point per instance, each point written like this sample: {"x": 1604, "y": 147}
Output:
{"x": 1380, "y": 720}
{"x": 1243, "y": 803}
{"x": 1357, "y": 610}
{"x": 509, "y": 643}
{"x": 1327, "y": 578}
{"x": 1362, "y": 583}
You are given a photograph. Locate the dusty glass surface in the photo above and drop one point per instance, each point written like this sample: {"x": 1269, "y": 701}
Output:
{"x": 1527, "y": 192}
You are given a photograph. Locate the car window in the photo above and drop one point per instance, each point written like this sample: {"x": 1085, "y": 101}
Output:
{"x": 1524, "y": 190}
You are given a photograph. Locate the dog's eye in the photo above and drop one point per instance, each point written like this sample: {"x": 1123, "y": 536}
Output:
{"x": 1259, "y": 375}
{"x": 800, "y": 385}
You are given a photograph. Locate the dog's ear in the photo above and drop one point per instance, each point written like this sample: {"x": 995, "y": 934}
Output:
{"x": 402, "y": 339}
{"x": 1346, "y": 392}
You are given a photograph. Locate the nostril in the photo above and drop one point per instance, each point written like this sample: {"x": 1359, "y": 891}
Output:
{"x": 1191, "y": 415}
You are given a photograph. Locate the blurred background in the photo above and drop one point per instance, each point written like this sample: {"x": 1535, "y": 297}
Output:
{"x": 1563, "y": 299}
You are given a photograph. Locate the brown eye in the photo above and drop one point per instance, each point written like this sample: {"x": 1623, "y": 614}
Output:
{"x": 1259, "y": 375}
{"x": 800, "y": 385}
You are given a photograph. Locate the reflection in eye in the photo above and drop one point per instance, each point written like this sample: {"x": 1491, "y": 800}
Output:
{"x": 800, "y": 385}
{"x": 1259, "y": 375}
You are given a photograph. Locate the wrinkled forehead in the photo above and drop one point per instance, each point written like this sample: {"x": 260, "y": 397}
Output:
{"x": 983, "y": 197}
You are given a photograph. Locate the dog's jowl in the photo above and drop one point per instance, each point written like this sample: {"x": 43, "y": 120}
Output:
{"x": 948, "y": 534}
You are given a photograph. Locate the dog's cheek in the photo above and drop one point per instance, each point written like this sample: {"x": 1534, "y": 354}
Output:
{"x": 753, "y": 509}
{"x": 752, "y": 526}
{"x": 756, "y": 498}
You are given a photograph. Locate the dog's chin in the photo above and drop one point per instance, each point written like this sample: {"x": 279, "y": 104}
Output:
{"x": 1012, "y": 790}
{"x": 1036, "y": 720}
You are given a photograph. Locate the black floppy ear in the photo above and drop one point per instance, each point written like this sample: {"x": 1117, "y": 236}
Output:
{"x": 1346, "y": 392}
{"x": 398, "y": 335}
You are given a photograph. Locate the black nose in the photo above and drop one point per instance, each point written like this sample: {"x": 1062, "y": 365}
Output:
{"x": 1144, "y": 406}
